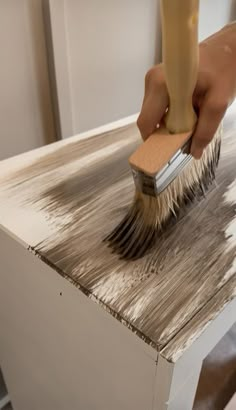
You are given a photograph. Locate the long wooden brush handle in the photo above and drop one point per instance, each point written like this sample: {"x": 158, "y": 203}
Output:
{"x": 180, "y": 59}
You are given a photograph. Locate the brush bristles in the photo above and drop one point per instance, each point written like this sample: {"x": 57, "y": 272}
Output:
{"x": 148, "y": 216}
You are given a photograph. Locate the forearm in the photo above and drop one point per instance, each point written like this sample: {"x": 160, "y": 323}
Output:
{"x": 219, "y": 50}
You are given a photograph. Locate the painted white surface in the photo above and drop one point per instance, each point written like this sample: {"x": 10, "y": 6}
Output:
{"x": 26, "y": 120}
{"x": 26, "y": 158}
{"x": 184, "y": 398}
{"x": 232, "y": 404}
{"x": 191, "y": 358}
{"x": 84, "y": 357}
{"x": 59, "y": 350}
{"x": 177, "y": 381}
{"x": 38, "y": 321}
{"x": 13, "y": 218}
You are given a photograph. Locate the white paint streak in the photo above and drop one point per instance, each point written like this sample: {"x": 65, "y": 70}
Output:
{"x": 107, "y": 289}
{"x": 17, "y": 218}
{"x": 230, "y": 194}
{"x": 89, "y": 160}
{"x": 230, "y": 232}
{"x": 12, "y": 164}
{"x": 229, "y": 273}
{"x": 135, "y": 311}
{"x": 17, "y": 221}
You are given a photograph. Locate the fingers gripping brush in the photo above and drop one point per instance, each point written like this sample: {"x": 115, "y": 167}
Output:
{"x": 166, "y": 176}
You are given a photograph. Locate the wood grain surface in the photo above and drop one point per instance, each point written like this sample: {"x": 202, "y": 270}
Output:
{"x": 64, "y": 199}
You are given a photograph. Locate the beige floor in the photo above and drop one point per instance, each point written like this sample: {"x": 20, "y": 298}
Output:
{"x": 218, "y": 378}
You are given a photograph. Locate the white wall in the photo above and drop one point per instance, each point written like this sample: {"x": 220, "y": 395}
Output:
{"x": 214, "y": 14}
{"x": 26, "y": 119}
{"x": 111, "y": 44}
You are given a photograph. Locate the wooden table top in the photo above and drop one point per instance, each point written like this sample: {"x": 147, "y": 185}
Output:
{"x": 63, "y": 199}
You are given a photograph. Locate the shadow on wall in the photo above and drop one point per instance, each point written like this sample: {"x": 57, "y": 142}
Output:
{"x": 38, "y": 42}
{"x": 158, "y": 43}
{"x": 233, "y": 10}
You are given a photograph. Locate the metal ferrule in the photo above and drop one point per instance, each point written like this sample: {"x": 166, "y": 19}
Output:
{"x": 153, "y": 185}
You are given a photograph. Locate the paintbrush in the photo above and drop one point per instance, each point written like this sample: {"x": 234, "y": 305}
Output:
{"x": 167, "y": 178}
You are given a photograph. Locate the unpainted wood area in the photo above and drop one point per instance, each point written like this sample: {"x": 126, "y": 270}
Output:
{"x": 78, "y": 190}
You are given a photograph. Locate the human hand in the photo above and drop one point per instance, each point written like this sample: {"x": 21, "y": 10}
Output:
{"x": 214, "y": 92}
